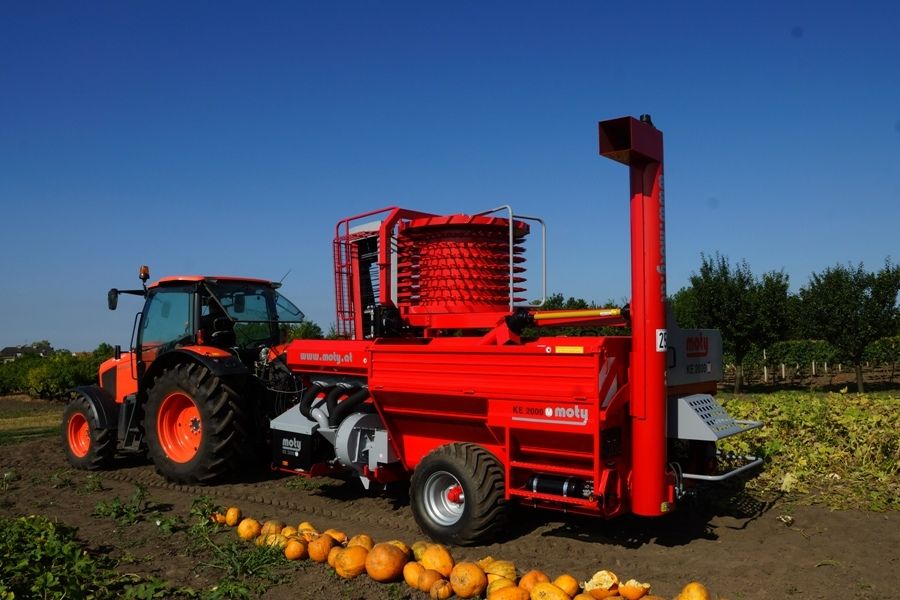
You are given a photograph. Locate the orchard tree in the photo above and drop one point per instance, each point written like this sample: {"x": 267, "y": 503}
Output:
{"x": 306, "y": 330}
{"x": 747, "y": 310}
{"x": 850, "y": 308}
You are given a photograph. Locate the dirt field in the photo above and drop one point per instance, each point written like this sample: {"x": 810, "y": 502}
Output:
{"x": 740, "y": 547}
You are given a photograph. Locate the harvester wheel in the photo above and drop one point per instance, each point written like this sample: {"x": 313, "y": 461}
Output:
{"x": 457, "y": 494}
{"x": 193, "y": 425}
{"x": 88, "y": 446}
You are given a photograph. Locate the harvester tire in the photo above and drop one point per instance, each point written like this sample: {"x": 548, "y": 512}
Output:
{"x": 88, "y": 446}
{"x": 456, "y": 494}
{"x": 194, "y": 425}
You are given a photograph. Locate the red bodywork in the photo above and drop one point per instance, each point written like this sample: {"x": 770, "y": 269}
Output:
{"x": 591, "y": 408}
{"x": 554, "y": 405}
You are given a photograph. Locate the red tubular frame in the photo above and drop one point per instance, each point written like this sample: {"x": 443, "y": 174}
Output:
{"x": 638, "y": 144}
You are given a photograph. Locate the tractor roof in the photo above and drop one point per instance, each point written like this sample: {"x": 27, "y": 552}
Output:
{"x": 177, "y": 279}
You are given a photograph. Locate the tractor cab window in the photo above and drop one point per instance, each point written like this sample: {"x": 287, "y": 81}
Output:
{"x": 166, "y": 322}
{"x": 256, "y": 310}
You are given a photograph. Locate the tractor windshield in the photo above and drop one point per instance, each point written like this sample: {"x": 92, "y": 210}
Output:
{"x": 255, "y": 309}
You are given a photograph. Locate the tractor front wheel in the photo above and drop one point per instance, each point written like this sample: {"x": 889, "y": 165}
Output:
{"x": 87, "y": 445}
{"x": 193, "y": 425}
{"x": 456, "y": 494}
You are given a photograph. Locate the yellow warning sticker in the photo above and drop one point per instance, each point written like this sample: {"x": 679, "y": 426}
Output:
{"x": 570, "y": 349}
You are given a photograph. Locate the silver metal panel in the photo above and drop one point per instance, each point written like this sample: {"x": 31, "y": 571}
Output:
{"x": 291, "y": 420}
{"x": 701, "y": 417}
{"x": 693, "y": 355}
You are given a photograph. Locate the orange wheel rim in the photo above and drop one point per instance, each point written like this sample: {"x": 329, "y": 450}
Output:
{"x": 178, "y": 427}
{"x": 79, "y": 435}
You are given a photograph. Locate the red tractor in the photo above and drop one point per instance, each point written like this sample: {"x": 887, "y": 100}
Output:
{"x": 441, "y": 376}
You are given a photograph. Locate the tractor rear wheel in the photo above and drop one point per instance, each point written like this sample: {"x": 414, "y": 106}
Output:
{"x": 193, "y": 425}
{"x": 88, "y": 446}
{"x": 456, "y": 494}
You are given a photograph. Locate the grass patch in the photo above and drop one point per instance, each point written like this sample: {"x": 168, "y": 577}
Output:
{"x": 838, "y": 449}
{"x": 43, "y": 559}
{"x": 24, "y": 420}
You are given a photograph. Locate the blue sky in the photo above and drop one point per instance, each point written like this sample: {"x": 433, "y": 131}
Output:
{"x": 230, "y": 137}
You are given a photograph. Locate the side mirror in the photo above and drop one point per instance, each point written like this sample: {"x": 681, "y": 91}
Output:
{"x": 239, "y": 303}
{"x": 112, "y": 298}
{"x": 117, "y": 352}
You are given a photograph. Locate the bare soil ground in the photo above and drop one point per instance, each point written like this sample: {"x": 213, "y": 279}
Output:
{"x": 741, "y": 547}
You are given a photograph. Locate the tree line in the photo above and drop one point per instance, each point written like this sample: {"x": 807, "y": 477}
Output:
{"x": 854, "y": 312}
{"x": 52, "y": 376}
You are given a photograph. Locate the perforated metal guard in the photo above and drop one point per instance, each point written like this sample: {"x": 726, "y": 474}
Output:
{"x": 701, "y": 417}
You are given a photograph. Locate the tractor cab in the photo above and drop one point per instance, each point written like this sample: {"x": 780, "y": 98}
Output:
{"x": 179, "y": 390}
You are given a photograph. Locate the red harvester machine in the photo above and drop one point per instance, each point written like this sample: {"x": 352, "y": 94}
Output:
{"x": 433, "y": 381}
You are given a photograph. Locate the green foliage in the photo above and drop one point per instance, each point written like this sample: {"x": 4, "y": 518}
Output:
{"x": 885, "y": 351}
{"x": 305, "y": 331}
{"x": 138, "y": 508}
{"x": 43, "y": 560}
{"x": 851, "y": 308}
{"x": 247, "y": 570}
{"x": 844, "y": 449}
{"x": 51, "y": 376}
{"x": 747, "y": 310}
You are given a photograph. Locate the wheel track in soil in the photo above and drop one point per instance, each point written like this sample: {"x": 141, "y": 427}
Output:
{"x": 227, "y": 492}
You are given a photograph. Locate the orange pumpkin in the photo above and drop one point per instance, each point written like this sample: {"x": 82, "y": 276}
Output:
{"x": 499, "y": 584}
{"x": 406, "y": 549}
{"x": 437, "y": 557}
{"x": 418, "y": 548}
{"x": 232, "y": 516}
{"x": 332, "y": 555}
{"x": 694, "y": 591}
{"x": 567, "y": 583}
{"x": 339, "y": 536}
{"x": 411, "y": 572}
{"x": 602, "y": 585}
{"x": 500, "y": 568}
{"x": 544, "y": 590}
{"x": 427, "y": 579}
{"x": 512, "y": 592}
{"x": 361, "y": 539}
{"x": 351, "y": 562}
{"x": 532, "y": 578}
{"x": 441, "y": 590}
{"x": 295, "y": 550}
{"x": 385, "y": 562}
{"x": 248, "y": 529}
{"x": 468, "y": 580}
{"x": 320, "y": 547}
{"x": 633, "y": 589}
{"x": 272, "y": 526}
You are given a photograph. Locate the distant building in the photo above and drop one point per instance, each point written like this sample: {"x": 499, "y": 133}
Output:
{"x": 11, "y": 353}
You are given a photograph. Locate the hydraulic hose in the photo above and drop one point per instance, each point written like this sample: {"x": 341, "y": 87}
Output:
{"x": 307, "y": 399}
{"x": 347, "y": 406}
{"x": 331, "y": 400}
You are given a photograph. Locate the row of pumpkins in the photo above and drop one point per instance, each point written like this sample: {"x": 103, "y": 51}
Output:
{"x": 430, "y": 568}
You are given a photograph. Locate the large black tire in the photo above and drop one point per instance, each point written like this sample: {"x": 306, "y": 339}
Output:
{"x": 457, "y": 495}
{"x": 193, "y": 425}
{"x": 87, "y": 445}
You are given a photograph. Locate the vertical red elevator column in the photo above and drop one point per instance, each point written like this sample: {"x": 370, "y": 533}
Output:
{"x": 638, "y": 144}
